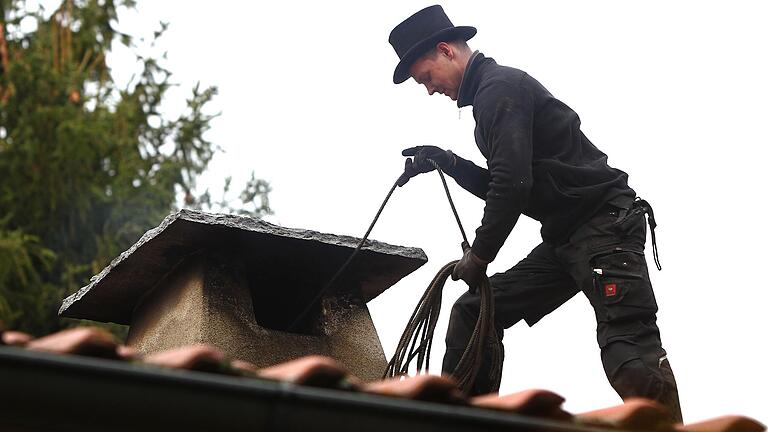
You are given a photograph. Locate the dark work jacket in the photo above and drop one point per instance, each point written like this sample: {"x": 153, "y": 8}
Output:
{"x": 539, "y": 162}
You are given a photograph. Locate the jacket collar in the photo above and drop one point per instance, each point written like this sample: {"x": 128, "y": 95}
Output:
{"x": 470, "y": 80}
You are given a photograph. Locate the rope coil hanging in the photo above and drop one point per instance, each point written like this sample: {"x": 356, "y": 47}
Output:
{"x": 421, "y": 326}
{"x": 416, "y": 341}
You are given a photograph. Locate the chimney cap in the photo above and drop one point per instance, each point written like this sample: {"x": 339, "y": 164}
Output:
{"x": 113, "y": 294}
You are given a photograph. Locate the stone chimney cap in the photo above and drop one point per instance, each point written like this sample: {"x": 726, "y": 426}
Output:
{"x": 276, "y": 251}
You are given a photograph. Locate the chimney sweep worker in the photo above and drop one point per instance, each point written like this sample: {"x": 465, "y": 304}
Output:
{"x": 541, "y": 165}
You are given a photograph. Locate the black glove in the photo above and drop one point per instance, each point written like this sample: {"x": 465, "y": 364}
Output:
{"x": 471, "y": 269}
{"x": 419, "y": 164}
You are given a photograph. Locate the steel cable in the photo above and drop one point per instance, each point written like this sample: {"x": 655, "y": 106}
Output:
{"x": 344, "y": 266}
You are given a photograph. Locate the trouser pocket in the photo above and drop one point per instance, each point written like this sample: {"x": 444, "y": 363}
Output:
{"x": 622, "y": 287}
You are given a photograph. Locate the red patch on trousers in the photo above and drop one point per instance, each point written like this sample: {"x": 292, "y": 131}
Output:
{"x": 611, "y": 290}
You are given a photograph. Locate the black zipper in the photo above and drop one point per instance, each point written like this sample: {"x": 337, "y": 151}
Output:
{"x": 617, "y": 273}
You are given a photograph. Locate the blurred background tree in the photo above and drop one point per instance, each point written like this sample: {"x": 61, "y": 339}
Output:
{"x": 86, "y": 167}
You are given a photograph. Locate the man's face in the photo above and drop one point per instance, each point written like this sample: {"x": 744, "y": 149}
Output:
{"x": 439, "y": 73}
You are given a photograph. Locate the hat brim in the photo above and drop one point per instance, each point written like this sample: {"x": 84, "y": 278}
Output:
{"x": 403, "y": 69}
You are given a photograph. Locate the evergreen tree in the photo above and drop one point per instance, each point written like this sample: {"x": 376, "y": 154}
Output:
{"x": 86, "y": 167}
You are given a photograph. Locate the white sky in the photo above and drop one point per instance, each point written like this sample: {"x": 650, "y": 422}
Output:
{"x": 674, "y": 92}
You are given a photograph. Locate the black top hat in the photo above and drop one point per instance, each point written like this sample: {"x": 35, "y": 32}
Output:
{"x": 419, "y": 33}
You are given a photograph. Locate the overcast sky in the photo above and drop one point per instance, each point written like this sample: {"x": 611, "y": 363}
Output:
{"x": 674, "y": 92}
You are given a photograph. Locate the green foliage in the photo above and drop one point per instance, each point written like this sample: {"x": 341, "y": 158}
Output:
{"x": 22, "y": 291}
{"x": 86, "y": 167}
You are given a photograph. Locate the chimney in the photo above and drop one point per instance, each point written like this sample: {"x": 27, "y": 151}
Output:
{"x": 239, "y": 283}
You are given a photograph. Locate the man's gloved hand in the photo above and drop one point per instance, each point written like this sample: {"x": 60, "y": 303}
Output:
{"x": 419, "y": 163}
{"x": 471, "y": 269}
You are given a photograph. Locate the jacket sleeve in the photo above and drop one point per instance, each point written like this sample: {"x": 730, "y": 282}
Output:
{"x": 471, "y": 177}
{"x": 504, "y": 114}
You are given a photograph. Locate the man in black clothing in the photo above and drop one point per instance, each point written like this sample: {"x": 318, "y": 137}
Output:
{"x": 541, "y": 165}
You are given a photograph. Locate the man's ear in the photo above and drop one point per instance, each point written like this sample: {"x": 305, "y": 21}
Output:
{"x": 445, "y": 49}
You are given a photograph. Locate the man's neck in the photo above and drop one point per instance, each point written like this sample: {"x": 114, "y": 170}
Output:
{"x": 463, "y": 60}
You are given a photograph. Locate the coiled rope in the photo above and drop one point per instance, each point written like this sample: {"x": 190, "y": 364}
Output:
{"x": 421, "y": 326}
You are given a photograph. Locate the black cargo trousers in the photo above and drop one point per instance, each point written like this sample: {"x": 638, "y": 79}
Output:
{"x": 605, "y": 260}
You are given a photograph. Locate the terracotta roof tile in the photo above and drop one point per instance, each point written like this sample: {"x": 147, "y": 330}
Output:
{"x": 421, "y": 387}
{"x": 246, "y": 368}
{"x": 87, "y": 341}
{"x": 314, "y": 371}
{"x": 202, "y": 358}
{"x": 14, "y": 338}
{"x": 635, "y": 414}
{"x": 318, "y": 371}
{"x": 128, "y": 353}
{"x": 724, "y": 424}
{"x": 535, "y": 403}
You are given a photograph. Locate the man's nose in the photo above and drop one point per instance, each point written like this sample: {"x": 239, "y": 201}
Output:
{"x": 430, "y": 89}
